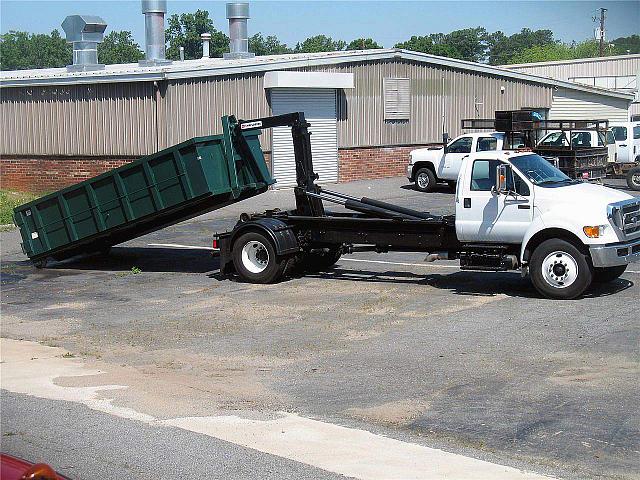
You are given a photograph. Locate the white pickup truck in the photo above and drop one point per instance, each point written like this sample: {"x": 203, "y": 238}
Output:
{"x": 428, "y": 166}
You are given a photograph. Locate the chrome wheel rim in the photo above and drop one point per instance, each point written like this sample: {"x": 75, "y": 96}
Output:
{"x": 423, "y": 180}
{"x": 635, "y": 179}
{"x": 255, "y": 256}
{"x": 559, "y": 269}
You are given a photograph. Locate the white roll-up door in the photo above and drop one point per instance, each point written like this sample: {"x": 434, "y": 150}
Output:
{"x": 574, "y": 104}
{"x": 319, "y": 107}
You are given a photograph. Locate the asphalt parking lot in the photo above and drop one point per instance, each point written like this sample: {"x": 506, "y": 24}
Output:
{"x": 471, "y": 363}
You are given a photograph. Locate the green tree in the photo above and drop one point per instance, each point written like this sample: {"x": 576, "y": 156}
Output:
{"x": 362, "y": 44}
{"x": 269, "y": 45}
{"x": 184, "y": 30}
{"x": 543, "y": 53}
{"x": 468, "y": 44}
{"x": 502, "y": 48}
{"x": 624, "y": 45}
{"x": 23, "y": 50}
{"x": 320, "y": 43}
{"x": 119, "y": 47}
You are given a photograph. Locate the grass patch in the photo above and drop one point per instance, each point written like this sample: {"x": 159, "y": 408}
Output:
{"x": 9, "y": 200}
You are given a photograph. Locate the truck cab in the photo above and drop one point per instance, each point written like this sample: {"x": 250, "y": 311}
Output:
{"x": 564, "y": 232}
{"x": 428, "y": 166}
{"x": 627, "y": 139}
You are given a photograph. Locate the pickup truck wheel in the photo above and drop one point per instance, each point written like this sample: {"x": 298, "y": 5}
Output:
{"x": 608, "y": 274}
{"x": 425, "y": 180}
{"x": 633, "y": 178}
{"x": 559, "y": 270}
{"x": 255, "y": 259}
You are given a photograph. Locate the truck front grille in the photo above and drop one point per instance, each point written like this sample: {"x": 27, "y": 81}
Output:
{"x": 625, "y": 215}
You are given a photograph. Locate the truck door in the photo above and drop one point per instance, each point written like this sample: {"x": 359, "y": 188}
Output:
{"x": 485, "y": 216}
{"x": 621, "y": 135}
{"x": 456, "y": 151}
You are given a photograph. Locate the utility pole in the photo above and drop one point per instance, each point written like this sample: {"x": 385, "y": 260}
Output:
{"x": 602, "y": 15}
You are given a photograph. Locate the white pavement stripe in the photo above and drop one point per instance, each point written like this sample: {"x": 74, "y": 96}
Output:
{"x": 401, "y": 264}
{"x": 184, "y": 247}
{"x": 32, "y": 369}
{"x": 347, "y": 451}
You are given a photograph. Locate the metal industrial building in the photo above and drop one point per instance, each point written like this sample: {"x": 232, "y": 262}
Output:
{"x": 619, "y": 73}
{"x": 367, "y": 109}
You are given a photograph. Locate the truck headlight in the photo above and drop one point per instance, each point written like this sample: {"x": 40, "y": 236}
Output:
{"x": 594, "y": 231}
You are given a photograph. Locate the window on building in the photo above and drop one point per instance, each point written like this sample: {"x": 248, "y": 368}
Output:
{"x": 486, "y": 144}
{"x": 397, "y": 98}
{"x": 461, "y": 145}
{"x": 619, "y": 133}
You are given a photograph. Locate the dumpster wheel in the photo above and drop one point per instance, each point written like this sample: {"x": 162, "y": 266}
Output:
{"x": 255, "y": 259}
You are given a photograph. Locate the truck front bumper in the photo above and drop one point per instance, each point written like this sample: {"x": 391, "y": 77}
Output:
{"x": 614, "y": 254}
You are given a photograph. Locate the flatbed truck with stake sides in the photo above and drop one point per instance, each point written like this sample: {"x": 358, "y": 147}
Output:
{"x": 514, "y": 211}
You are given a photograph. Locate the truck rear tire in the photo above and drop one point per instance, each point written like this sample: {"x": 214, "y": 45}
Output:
{"x": 608, "y": 274}
{"x": 255, "y": 259}
{"x": 559, "y": 270}
{"x": 425, "y": 180}
{"x": 633, "y": 178}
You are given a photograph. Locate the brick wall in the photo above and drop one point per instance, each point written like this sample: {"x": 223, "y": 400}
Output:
{"x": 49, "y": 174}
{"x": 372, "y": 162}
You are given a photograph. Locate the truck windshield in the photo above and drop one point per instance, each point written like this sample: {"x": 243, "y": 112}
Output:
{"x": 539, "y": 171}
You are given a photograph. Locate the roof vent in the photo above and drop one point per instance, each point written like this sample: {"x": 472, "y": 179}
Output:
{"x": 238, "y": 14}
{"x": 154, "y": 43}
{"x": 84, "y": 32}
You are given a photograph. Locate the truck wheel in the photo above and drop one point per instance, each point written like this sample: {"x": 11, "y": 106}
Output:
{"x": 559, "y": 270}
{"x": 633, "y": 178}
{"x": 608, "y": 274}
{"x": 425, "y": 180}
{"x": 255, "y": 259}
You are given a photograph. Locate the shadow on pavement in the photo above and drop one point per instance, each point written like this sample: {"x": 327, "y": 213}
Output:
{"x": 468, "y": 282}
{"x": 122, "y": 259}
{"x": 439, "y": 188}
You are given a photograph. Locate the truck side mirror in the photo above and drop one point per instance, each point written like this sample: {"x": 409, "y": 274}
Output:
{"x": 502, "y": 171}
{"x": 445, "y": 141}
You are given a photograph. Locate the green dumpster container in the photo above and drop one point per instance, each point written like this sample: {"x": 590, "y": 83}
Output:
{"x": 175, "y": 184}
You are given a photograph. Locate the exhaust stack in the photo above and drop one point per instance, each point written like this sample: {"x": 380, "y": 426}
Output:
{"x": 84, "y": 32}
{"x": 154, "y": 11}
{"x": 238, "y": 14}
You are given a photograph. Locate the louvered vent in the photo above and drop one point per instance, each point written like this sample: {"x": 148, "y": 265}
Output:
{"x": 397, "y": 98}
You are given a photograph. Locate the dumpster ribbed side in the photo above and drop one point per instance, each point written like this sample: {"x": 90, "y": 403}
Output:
{"x": 177, "y": 183}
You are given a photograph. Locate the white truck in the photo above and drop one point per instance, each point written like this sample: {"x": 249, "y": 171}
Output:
{"x": 627, "y": 138}
{"x": 428, "y": 166}
{"x": 513, "y": 211}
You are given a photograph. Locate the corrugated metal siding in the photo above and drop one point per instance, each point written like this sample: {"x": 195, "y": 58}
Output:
{"x": 194, "y": 106}
{"x": 104, "y": 119}
{"x": 584, "y": 68}
{"x": 120, "y": 119}
{"x": 634, "y": 109}
{"x": 582, "y": 105}
{"x": 467, "y": 95}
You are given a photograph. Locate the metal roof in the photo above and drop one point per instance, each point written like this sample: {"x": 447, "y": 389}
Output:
{"x": 207, "y": 67}
{"x": 611, "y": 58}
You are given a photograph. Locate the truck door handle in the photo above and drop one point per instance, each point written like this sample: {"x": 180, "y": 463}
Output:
{"x": 524, "y": 207}
{"x": 467, "y": 203}
{"x": 623, "y": 144}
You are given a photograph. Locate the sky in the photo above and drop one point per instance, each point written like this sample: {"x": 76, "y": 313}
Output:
{"x": 387, "y": 22}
